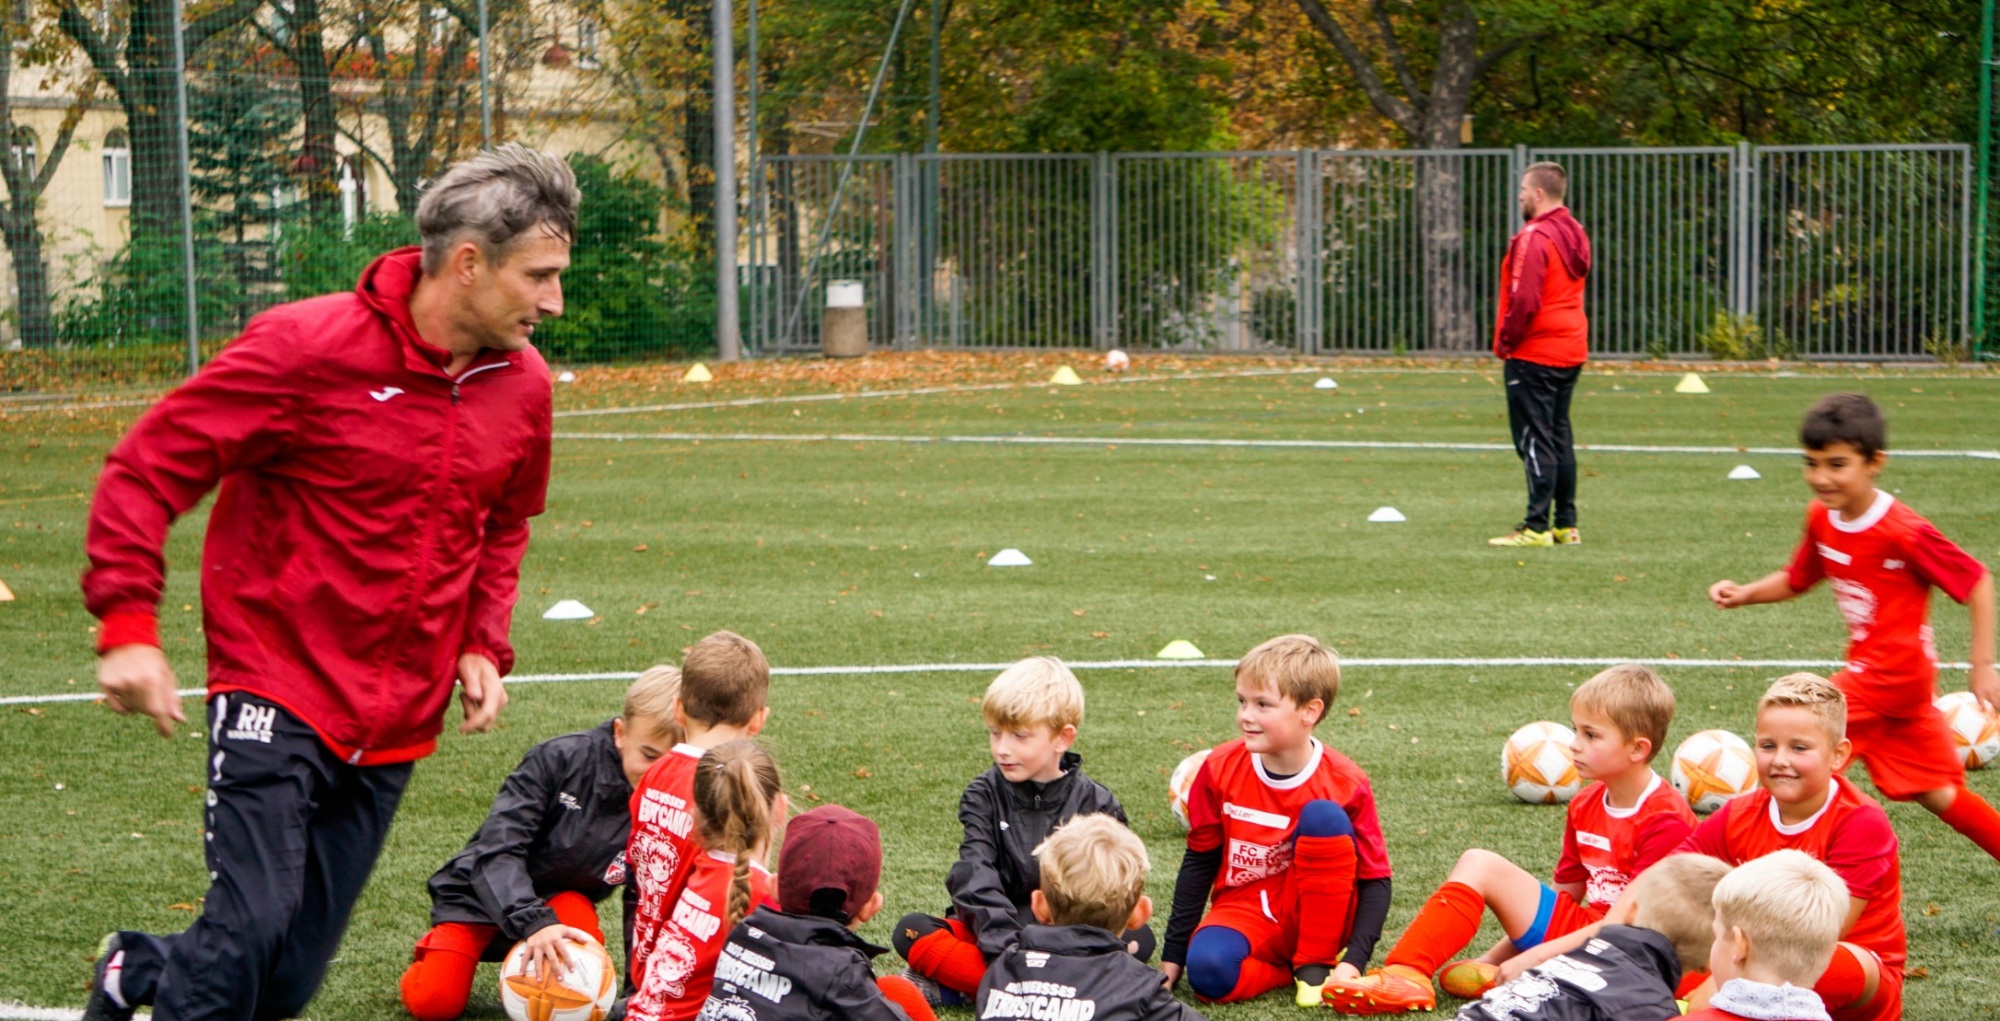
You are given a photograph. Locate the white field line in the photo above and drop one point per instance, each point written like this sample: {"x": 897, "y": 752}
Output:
{"x": 1475, "y": 662}
{"x": 23, "y": 1012}
{"x": 1160, "y": 441}
{"x": 925, "y": 391}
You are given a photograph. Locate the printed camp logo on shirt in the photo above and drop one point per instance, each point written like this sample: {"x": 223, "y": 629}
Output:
{"x": 1041, "y": 1001}
{"x": 749, "y": 971}
{"x": 1857, "y": 606}
{"x": 1250, "y": 862}
{"x": 253, "y": 723}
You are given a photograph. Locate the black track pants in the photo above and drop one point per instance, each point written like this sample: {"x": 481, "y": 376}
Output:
{"x": 1538, "y": 413}
{"x": 292, "y": 833}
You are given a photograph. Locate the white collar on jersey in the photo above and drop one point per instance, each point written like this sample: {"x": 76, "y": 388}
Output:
{"x": 692, "y": 751}
{"x": 1762, "y": 1001}
{"x": 1883, "y": 501}
{"x": 1777, "y": 823}
{"x": 1300, "y": 777}
{"x": 727, "y": 858}
{"x": 1627, "y": 813}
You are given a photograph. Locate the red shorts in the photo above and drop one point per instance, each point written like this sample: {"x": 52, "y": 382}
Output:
{"x": 1265, "y": 917}
{"x": 1905, "y": 755}
{"x": 1570, "y": 916}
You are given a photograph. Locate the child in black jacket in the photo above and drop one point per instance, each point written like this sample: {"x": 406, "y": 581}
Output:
{"x": 1036, "y": 784}
{"x": 1074, "y": 964}
{"x": 804, "y": 962}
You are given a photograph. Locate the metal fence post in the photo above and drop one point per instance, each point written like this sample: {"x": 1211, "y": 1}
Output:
{"x": 1305, "y": 205}
{"x": 1519, "y": 164}
{"x": 904, "y": 237}
{"x": 1103, "y": 318}
{"x": 1742, "y": 221}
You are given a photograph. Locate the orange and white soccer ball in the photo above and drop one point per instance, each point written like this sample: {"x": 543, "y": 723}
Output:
{"x": 583, "y": 993}
{"x": 1974, "y": 731}
{"x": 1182, "y": 781}
{"x": 1711, "y": 767}
{"x": 1117, "y": 361}
{"x": 1537, "y": 766}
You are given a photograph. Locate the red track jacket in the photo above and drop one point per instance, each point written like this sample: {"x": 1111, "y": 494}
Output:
{"x": 1541, "y": 316}
{"x": 371, "y": 522}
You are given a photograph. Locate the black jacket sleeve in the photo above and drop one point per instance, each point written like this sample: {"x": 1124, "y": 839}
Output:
{"x": 499, "y": 865}
{"x": 854, "y": 995}
{"x": 1371, "y": 909}
{"x": 977, "y": 893}
{"x": 1162, "y": 1006}
{"x": 1191, "y": 889}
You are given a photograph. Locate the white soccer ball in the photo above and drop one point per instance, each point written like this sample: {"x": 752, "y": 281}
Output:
{"x": 1975, "y": 732}
{"x": 1711, "y": 767}
{"x": 583, "y": 993}
{"x": 1117, "y": 361}
{"x": 1536, "y": 765}
{"x": 1182, "y": 781}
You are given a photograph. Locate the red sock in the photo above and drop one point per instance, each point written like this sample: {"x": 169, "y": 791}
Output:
{"x": 1254, "y": 978}
{"x": 1971, "y": 815}
{"x": 950, "y": 957}
{"x": 1844, "y": 983}
{"x": 903, "y": 993}
{"x": 1323, "y": 881}
{"x": 437, "y": 983}
{"x": 576, "y": 911}
{"x": 1442, "y": 928}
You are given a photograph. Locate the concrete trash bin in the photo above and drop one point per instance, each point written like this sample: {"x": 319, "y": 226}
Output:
{"x": 843, "y": 333}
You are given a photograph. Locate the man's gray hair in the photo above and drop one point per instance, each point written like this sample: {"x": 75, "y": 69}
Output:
{"x": 494, "y": 198}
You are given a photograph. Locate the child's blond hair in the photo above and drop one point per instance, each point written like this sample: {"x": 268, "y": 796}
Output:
{"x": 1036, "y": 692}
{"x": 1674, "y": 899}
{"x": 1297, "y": 667}
{"x": 725, "y": 680}
{"x": 1093, "y": 872}
{"x": 1813, "y": 693}
{"x": 736, "y": 788}
{"x": 1633, "y": 698}
{"x": 1791, "y": 906}
{"x": 652, "y": 696}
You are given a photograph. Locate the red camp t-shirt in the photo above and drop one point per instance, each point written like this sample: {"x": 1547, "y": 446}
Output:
{"x": 1606, "y": 848}
{"x": 662, "y": 846}
{"x": 1882, "y": 566}
{"x": 1236, "y": 805}
{"x": 1850, "y": 833}
{"x": 674, "y": 967}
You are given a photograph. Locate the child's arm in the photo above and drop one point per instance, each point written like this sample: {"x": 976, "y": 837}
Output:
{"x": 1191, "y": 889}
{"x": 1775, "y": 587}
{"x": 498, "y": 870}
{"x": 1983, "y": 682}
{"x": 977, "y": 894}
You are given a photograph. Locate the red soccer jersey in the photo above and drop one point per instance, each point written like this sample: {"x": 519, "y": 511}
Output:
{"x": 1850, "y": 833}
{"x": 674, "y": 970}
{"x": 1882, "y": 565}
{"x": 1236, "y": 805}
{"x": 663, "y": 846}
{"x": 1606, "y": 848}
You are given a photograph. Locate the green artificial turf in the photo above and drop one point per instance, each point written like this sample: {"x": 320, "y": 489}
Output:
{"x": 848, "y": 552}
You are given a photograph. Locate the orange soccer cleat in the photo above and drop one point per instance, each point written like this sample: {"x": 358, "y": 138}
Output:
{"x": 1468, "y": 979}
{"x": 1389, "y": 990}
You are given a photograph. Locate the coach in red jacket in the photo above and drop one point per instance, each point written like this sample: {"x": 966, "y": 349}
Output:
{"x": 379, "y": 455}
{"x": 1543, "y": 335}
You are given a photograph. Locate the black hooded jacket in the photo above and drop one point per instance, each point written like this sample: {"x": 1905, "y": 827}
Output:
{"x": 1004, "y": 823}
{"x": 1074, "y": 973}
{"x": 1624, "y": 973}
{"x": 560, "y": 822}
{"x": 783, "y": 967}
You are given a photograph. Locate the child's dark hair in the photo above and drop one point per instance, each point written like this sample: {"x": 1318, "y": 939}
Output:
{"x": 734, "y": 786}
{"x": 1852, "y": 419}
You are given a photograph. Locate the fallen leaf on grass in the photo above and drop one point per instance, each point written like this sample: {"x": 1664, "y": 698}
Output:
{"x": 864, "y": 773}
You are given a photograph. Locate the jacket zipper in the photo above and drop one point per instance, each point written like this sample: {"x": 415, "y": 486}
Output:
{"x": 469, "y": 373}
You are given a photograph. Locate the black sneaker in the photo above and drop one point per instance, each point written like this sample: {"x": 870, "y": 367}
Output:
{"x": 102, "y": 1005}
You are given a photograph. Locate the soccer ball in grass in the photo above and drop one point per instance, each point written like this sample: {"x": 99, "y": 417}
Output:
{"x": 1536, "y": 764}
{"x": 1712, "y": 767}
{"x": 583, "y": 993}
{"x": 1182, "y": 781}
{"x": 1117, "y": 361}
{"x": 1974, "y": 731}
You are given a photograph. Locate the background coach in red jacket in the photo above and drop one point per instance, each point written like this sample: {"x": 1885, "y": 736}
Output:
{"x": 1543, "y": 335}
{"x": 379, "y": 455}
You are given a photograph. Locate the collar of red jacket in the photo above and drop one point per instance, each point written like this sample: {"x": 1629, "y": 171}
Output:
{"x": 386, "y": 286}
{"x": 1572, "y": 244}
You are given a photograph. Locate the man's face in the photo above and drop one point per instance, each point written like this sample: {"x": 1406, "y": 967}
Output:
{"x": 511, "y": 297}
{"x": 1531, "y": 198}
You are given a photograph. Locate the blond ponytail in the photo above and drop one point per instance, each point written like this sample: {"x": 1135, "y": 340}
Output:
{"x": 735, "y": 787}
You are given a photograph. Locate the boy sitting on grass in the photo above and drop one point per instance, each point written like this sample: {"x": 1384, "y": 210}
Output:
{"x": 1036, "y": 784}
{"x": 1777, "y": 921}
{"x": 1625, "y": 820}
{"x": 1626, "y": 971}
{"x": 1075, "y": 965}
{"x": 1284, "y": 848}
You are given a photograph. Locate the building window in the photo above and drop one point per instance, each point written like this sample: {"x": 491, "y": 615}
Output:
{"x": 22, "y": 152}
{"x": 117, "y": 168}
{"x": 586, "y": 43}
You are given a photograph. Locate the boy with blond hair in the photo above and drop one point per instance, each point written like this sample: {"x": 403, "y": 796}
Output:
{"x": 1073, "y": 964}
{"x": 1629, "y": 967}
{"x": 1036, "y": 784}
{"x": 1284, "y": 849}
{"x": 1624, "y": 821}
{"x": 1777, "y": 922}
{"x": 1883, "y": 559}
{"x": 552, "y": 846}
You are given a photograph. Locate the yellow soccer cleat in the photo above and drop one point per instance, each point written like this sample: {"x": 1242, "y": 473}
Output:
{"x": 1310, "y": 995}
{"x": 1568, "y": 537}
{"x": 1389, "y": 990}
{"x": 1468, "y": 980}
{"x": 1524, "y": 537}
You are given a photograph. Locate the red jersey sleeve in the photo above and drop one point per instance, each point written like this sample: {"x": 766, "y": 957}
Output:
{"x": 1712, "y": 836}
{"x": 1569, "y": 865}
{"x": 1371, "y": 851}
{"x": 1660, "y": 834}
{"x": 1863, "y": 852}
{"x": 1805, "y": 570}
{"x": 1941, "y": 562}
{"x": 1204, "y": 809}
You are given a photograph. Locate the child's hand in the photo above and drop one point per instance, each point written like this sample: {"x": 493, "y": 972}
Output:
{"x": 1725, "y": 594}
{"x": 1345, "y": 972}
{"x": 546, "y": 954}
{"x": 1985, "y": 685}
{"x": 1170, "y": 974}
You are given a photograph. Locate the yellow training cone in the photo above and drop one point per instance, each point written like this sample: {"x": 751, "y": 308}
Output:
{"x": 6, "y": 594}
{"x": 1179, "y": 648}
{"x": 1690, "y": 384}
{"x": 1065, "y": 376}
{"x": 698, "y": 374}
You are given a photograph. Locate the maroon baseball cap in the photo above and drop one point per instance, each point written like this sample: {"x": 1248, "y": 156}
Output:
{"x": 831, "y": 861}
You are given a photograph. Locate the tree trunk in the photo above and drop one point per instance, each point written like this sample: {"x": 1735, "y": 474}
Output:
{"x": 32, "y": 313}
{"x": 319, "y": 167}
